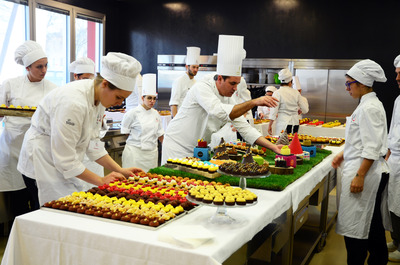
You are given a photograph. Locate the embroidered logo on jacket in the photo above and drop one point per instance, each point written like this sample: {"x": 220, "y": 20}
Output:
{"x": 69, "y": 122}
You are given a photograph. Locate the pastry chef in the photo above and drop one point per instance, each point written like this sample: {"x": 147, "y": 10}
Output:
{"x": 66, "y": 125}
{"x": 208, "y": 106}
{"x": 181, "y": 86}
{"x": 263, "y": 111}
{"x": 285, "y": 115}
{"x": 27, "y": 90}
{"x": 143, "y": 124}
{"x": 393, "y": 158}
{"x": 364, "y": 175}
{"x": 84, "y": 68}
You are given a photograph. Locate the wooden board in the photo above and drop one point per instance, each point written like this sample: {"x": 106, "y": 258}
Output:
{"x": 16, "y": 112}
{"x": 281, "y": 170}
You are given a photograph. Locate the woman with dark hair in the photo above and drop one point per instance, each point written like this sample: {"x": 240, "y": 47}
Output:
{"x": 364, "y": 175}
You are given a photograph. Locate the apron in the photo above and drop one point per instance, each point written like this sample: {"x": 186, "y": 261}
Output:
{"x": 356, "y": 209}
{"x": 11, "y": 141}
{"x": 281, "y": 123}
{"x": 394, "y": 183}
{"x": 135, "y": 157}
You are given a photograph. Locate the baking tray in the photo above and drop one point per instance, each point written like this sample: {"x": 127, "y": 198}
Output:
{"x": 119, "y": 221}
{"x": 223, "y": 205}
{"x": 16, "y": 112}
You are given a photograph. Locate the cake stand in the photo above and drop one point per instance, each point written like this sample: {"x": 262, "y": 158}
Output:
{"x": 221, "y": 216}
{"x": 242, "y": 180}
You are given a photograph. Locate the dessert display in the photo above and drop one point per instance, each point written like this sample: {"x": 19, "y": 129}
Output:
{"x": 146, "y": 199}
{"x": 240, "y": 169}
{"x": 260, "y": 121}
{"x": 280, "y": 162}
{"x": 303, "y": 121}
{"x": 315, "y": 122}
{"x": 194, "y": 165}
{"x": 331, "y": 124}
{"x": 283, "y": 139}
{"x": 285, "y": 150}
{"x": 12, "y": 110}
{"x": 165, "y": 112}
{"x": 219, "y": 195}
{"x": 336, "y": 141}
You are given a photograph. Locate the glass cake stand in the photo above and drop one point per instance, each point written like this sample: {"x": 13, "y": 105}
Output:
{"x": 221, "y": 216}
{"x": 242, "y": 180}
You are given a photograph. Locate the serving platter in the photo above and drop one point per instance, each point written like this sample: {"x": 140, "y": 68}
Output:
{"x": 16, "y": 112}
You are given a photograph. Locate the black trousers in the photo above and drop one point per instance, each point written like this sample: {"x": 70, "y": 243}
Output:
{"x": 33, "y": 192}
{"x": 292, "y": 129}
{"x": 396, "y": 229}
{"x": 357, "y": 249}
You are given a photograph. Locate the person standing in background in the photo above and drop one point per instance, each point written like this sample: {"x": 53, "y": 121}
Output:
{"x": 297, "y": 86}
{"x": 22, "y": 91}
{"x": 181, "y": 86}
{"x": 143, "y": 124}
{"x": 365, "y": 171}
{"x": 393, "y": 158}
{"x": 84, "y": 68}
{"x": 263, "y": 111}
{"x": 287, "y": 111}
{"x": 135, "y": 99}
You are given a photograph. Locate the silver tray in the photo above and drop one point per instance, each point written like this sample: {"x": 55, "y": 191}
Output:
{"x": 118, "y": 221}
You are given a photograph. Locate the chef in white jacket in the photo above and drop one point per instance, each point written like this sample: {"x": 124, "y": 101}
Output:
{"x": 182, "y": 85}
{"x": 25, "y": 90}
{"x": 393, "y": 158}
{"x": 84, "y": 68}
{"x": 143, "y": 124}
{"x": 66, "y": 126}
{"x": 208, "y": 106}
{"x": 285, "y": 115}
{"x": 364, "y": 175}
{"x": 263, "y": 111}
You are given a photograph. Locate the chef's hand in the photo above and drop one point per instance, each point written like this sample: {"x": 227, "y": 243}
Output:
{"x": 130, "y": 171}
{"x": 112, "y": 177}
{"x": 337, "y": 160}
{"x": 267, "y": 101}
{"x": 299, "y": 111}
{"x": 278, "y": 148}
{"x": 261, "y": 115}
{"x": 270, "y": 130}
{"x": 357, "y": 184}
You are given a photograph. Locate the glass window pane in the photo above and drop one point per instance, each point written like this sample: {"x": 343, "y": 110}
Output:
{"x": 89, "y": 39}
{"x": 13, "y": 32}
{"x": 52, "y": 32}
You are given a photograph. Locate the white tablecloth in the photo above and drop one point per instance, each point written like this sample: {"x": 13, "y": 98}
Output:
{"x": 317, "y": 131}
{"x": 47, "y": 237}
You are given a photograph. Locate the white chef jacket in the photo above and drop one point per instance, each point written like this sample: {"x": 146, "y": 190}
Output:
{"x": 366, "y": 137}
{"x": 135, "y": 98}
{"x": 394, "y": 158}
{"x": 65, "y": 126}
{"x": 203, "y": 112}
{"x": 242, "y": 94}
{"x": 179, "y": 89}
{"x": 18, "y": 91}
{"x": 290, "y": 101}
{"x": 144, "y": 128}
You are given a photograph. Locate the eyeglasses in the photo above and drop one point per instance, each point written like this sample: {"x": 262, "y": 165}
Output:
{"x": 151, "y": 98}
{"x": 348, "y": 84}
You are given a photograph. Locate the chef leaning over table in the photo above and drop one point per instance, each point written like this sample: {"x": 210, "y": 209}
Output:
{"x": 393, "y": 158}
{"x": 143, "y": 124}
{"x": 182, "y": 85}
{"x": 65, "y": 127}
{"x": 364, "y": 176}
{"x": 25, "y": 90}
{"x": 208, "y": 106}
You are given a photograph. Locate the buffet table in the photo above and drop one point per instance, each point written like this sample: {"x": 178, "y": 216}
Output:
{"x": 49, "y": 237}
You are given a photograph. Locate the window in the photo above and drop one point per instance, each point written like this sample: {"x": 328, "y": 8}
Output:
{"x": 65, "y": 32}
{"x": 14, "y": 30}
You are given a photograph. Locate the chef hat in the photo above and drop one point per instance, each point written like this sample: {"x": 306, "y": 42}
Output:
{"x": 82, "y": 65}
{"x": 270, "y": 88}
{"x": 149, "y": 84}
{"x": 366, "y": 72}
{"x": 397, "y": 61}
{"x": 120, "y": 70}
{"x": 285, "y": 76}
{"x": 28, "y": 53}
{"x": 230, "y": 55}
{"x": 192, "y": 56}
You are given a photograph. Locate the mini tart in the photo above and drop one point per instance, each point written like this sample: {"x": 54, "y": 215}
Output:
{"x": 240, "y": 201}
{"x": 249, "y": 198}
{"x": 126, "y": 217}
{"x": 230, "y": 200}
{"x": 208, "y": 199}
{"x": 218, "y": 200}
{"x": 199, "y": 197}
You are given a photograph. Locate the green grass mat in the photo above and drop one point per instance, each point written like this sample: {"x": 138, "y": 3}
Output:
{"x": 273, "y": 182}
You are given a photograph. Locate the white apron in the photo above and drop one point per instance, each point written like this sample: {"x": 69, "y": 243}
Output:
{"x": 394, "y": 183}
{"x": 356, "y": 209}
{"x": 135, "y": 157}
{"x": 22, "y": 93}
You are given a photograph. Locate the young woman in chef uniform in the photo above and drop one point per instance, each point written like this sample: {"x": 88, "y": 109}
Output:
{"x": 84, "y": 68}
{"x": 66, "y": 126}
{"x": 25, "y": 90}
{"x": 364, "y": 175}
{"x": 143, "y": 124}
{"x": 393, "y": 158}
